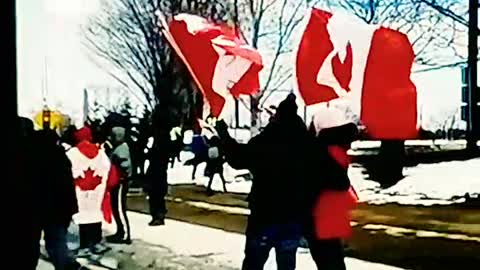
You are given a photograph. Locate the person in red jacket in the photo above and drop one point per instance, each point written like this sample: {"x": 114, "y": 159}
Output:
{"x": 329, "y": 223}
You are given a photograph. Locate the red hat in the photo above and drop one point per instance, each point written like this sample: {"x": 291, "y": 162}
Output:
{"x": 83, "y": 134}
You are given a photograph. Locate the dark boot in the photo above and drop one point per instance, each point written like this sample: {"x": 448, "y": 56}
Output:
{"x": 157, "y": 222}
{"x": 115, "y": 239}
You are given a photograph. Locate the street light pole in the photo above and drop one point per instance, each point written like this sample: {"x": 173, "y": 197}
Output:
{"x": 473, "y": 123}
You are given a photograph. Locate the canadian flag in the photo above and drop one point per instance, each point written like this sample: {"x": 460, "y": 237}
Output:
{"x": 91, "y": 170}
{"x": 221, "y": 62}
{"x": 369, "y": 65}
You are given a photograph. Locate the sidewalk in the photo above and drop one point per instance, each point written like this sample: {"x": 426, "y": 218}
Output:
{"x": 183, "y": 246}
{"x": 216, "y": 246}
{"x": 43, "y": 265}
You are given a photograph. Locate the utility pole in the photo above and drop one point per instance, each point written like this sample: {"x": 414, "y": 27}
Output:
{"x": 473, "y": 124}
{"x": 237, "y": 113}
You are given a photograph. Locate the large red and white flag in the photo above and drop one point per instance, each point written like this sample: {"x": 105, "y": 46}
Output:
{"x": 220, "y": 61}
{"x": 370, "y": 65}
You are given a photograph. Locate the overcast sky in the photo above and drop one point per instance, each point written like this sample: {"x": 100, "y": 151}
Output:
{"x": 49, "y": 29}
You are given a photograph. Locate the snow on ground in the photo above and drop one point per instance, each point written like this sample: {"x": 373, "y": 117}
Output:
{"x": 222, "y": 247}
{"x": 456, "y": 144}
{"x": 425, "y": 184}
{"x": 183, "y": 175}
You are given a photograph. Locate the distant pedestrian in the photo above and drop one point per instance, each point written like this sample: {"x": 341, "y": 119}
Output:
{"x": 157, "y": 185}
{"x": 200, "y": 151}
{"x": 121, "y": 159}
{"x": 276, "y": 159}
{"x": 216, "y": 159}
{"x": 52, "y": 191}
{"x": 176, "y": 145}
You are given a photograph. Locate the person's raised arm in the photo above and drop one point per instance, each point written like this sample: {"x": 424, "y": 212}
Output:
{"x": 237, "y": 155}
{"x": 341, "y": 135}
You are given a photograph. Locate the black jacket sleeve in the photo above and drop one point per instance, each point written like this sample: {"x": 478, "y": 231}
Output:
{"x": 342, "y": 135}
{"x": 67, "y": 181}
{"x": 238, "y": 155}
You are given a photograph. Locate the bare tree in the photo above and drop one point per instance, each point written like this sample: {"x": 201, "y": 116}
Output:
{"x": 127, "y": 44}
{"x": 125, "y": 41}
{"x": 454, "y": 9}
{"x": 269, "y": 25}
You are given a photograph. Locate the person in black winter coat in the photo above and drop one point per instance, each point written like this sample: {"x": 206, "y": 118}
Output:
{"x": 215, "y": 161}
{"x": 277, "y": 159}
{"x": 158, "y": 185}
{"x": 53, "y": 197}
{"x": 26, "y": 242}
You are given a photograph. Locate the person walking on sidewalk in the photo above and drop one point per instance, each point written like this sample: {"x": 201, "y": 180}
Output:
{"x": 91, "y": 170}
{"x": 200, "y": 151}
{"x": 331, "y": 197}
{"x": 52, "y": 194}
{"x": 120, "y": 158}
{"x": 275, "y": 158}
{"x": 176, "y": 145}
{"x": 216, "y": 159}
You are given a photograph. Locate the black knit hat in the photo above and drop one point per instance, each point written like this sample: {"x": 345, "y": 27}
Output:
{"x": 288, "y": 106}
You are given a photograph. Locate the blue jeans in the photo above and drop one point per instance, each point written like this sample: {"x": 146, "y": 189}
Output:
{"x": 56, "y": 245}
{"x": 284, "y": 238}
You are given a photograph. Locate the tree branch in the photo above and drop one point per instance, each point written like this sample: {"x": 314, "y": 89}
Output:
{"x": 444, "y": 11}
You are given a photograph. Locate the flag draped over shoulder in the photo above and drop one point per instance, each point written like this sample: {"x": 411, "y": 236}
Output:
{"x": 220, "y": 61}
{"x": 341, "y": 56}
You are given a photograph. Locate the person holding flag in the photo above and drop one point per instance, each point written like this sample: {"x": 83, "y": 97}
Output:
{"x": 328, "y": 222}
{"x": 342, "y": 58}
{"x": 277, "y": 159}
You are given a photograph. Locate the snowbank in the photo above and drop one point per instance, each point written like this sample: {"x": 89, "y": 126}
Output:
{"x": 425, "y": 184}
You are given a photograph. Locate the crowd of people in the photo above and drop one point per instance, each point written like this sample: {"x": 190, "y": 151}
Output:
{"x": 74, "y": 176}
{"x": 300, "y": 186}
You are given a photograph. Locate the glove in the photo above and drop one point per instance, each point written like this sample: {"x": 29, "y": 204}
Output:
{"x": 222, "y": 129}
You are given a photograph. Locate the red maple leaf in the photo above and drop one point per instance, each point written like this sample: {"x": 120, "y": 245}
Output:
{"x": 89, "y": 181}
{"x": 343, "y": 71}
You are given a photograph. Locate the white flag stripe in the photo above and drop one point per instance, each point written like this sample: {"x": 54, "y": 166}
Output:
{"x": 228, "y": 71}
{"x": 344, "y": 29}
